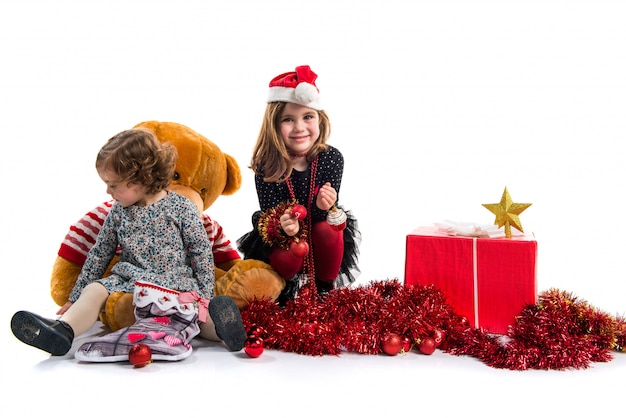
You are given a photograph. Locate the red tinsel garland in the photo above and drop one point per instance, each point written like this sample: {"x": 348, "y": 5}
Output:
{"x": 269, "y": 226}
{"x": 559, "y": 332}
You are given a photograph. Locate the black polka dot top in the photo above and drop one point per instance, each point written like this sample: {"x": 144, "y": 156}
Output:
{"x": 329, "y": 169}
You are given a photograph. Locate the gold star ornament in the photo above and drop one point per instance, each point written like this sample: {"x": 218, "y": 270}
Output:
{"x": 507, "y": 213}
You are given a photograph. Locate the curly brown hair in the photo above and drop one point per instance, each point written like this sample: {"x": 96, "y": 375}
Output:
{"x": 137, "y": 156}
{"x": 270, "y": 156}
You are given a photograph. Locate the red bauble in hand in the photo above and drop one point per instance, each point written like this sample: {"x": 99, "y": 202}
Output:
{"x": 253, "y": 347}
{"x": 299, "y": 248}
{"x": 336, "y": 218}
{"x": 391, "y": 344}
{"x": 427, "y": 345}
{"x": 298, "y": 212}
{"x": 140, "y": 355}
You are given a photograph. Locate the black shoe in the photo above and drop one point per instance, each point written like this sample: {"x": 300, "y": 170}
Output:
{"x": 50, "y": 335}
{"x": 228, "y": 324}
{"x": 289, "y": 291}
{"x": 323, "y": 288}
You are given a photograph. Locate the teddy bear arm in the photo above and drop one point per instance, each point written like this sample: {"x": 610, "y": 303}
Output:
{"x": 62, "y": 279}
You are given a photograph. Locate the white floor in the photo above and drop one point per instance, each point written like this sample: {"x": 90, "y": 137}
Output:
{"x": 408, "y": 384}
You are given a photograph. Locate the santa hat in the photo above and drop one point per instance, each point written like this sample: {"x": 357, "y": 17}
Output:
{"x": 296, "y": 87}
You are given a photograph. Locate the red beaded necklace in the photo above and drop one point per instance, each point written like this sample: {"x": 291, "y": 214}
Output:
{"x": 308, "y": 223}
{"x": 302, "y": 154}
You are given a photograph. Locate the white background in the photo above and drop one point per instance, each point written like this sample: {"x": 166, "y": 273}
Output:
{"x": 436, "y": 106}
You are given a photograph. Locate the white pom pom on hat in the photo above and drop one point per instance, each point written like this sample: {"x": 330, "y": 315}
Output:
{"x": 296, "y": 87}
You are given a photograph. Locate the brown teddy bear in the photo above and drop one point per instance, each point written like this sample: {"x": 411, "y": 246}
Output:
{"x": 203, "y": 173}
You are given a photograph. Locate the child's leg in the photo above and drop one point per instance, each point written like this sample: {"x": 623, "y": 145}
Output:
{"x": 327, "y": 251}
{"x": 285, "y": 263}
{"x": 207, "y": 330}
{"x": 84, "y": 312}
{"x": 56, "y": 335}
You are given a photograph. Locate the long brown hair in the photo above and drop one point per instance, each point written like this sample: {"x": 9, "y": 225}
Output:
{"x": 270, "y": 157}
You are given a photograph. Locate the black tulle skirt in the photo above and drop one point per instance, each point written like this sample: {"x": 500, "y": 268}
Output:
{"x": 252, "y": 246}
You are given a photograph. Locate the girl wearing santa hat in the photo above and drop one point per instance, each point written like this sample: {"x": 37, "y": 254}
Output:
{"x": 300, "y": 229}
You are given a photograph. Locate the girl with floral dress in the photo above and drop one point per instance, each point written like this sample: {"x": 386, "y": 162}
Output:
{"x": 165, "y": 252}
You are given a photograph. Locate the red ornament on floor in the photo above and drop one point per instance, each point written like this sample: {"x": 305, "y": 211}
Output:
{"x": 392, "y": 344}
{"x": 140, "y": 355}
{"x": 427, "y": 346}
{"x": 253, "y": 347}
{"x": 438, "y": 336}
{"x": 255, "y": 331}
{"x": 407, "y": 344}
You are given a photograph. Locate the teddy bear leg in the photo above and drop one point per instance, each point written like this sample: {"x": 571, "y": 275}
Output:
{"x": 249, "y": 280}
{"x": 119, "y": 311}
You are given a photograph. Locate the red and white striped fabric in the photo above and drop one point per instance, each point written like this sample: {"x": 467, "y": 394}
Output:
{"x": 82, "y": 236}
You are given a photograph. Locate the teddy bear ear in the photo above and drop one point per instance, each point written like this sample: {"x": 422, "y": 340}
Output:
{"x": 233, "y": 176}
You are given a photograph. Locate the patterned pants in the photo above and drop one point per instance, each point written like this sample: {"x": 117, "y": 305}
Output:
{"x": 163, "y": 323}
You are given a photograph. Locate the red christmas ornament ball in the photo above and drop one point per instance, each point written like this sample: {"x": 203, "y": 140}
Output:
{"x": 140, "y": 355}
{"x": 407, "y": 344}
{"x": 438, "y": 336}
{"x": 392, "y": 344}
{"x": 337, "y": 218}
{"x": 299, "y": 248}
{"x": 255, "y": 331}
{"x": 298, "y": 212}
{"x": 253, "y": 347}
{"x": 427, "y": 345}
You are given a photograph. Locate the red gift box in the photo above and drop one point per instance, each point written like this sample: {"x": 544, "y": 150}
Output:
{"x": 487, "y": 280}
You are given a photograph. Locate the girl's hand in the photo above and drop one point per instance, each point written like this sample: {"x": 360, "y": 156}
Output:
{"x": 327, "y": 197}
{"x": 289, "y": 224}
{"x": 64, "y": 308}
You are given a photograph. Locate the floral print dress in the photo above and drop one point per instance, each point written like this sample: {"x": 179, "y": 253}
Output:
{"x": 163, "y": 243}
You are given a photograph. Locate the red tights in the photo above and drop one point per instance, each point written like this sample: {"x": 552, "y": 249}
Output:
{"x": 327, "y": 247}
